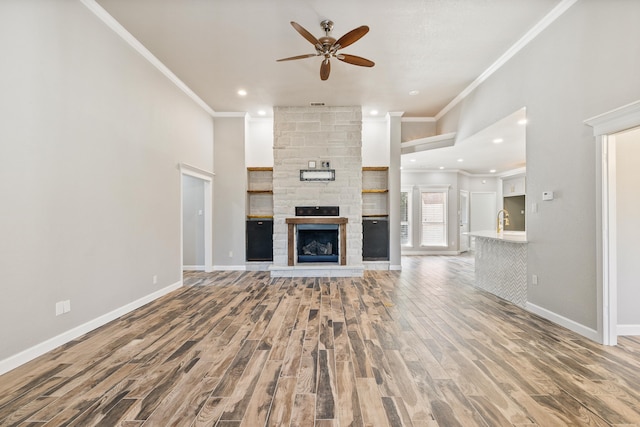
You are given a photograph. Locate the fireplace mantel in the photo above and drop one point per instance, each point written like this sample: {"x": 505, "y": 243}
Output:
{"x": 291, "y": 223}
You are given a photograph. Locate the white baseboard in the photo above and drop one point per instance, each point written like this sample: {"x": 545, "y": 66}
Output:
{"x": 193, "y": 268}
{"x": 628, "y": 330}
{"x": 37, "y": 350}
{"x": 230, "y": 267}
{"x": 576, "y": 327}
{"x": 430, "y": 253}
{"x": 395, "y": 267}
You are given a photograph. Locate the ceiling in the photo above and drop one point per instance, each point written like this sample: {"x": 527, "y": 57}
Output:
{"x": 495, "y": 150}
{"x": 435, "y": 47}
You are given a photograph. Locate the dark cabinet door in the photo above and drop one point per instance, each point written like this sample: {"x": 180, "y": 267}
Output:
{"x": 260, "y": 240}
{"x": 375, "y": 239}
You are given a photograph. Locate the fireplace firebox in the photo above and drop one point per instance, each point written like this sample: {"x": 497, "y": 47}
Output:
{"x": 317, "y": 242}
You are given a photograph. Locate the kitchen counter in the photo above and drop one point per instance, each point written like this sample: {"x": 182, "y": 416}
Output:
{"x": 501, "y": 264}
{"x": 507, "y": 236}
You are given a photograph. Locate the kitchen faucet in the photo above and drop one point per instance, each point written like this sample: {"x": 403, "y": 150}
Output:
{"x": 505, "y": 217}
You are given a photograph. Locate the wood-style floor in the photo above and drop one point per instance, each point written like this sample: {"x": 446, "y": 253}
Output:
{"x": 421, "y": 347}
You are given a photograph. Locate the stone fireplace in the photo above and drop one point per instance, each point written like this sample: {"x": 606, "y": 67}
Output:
{"x": 304, "y": 136}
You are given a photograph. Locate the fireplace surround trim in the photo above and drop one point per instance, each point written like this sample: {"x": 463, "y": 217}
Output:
{"x": 291, "y": 229}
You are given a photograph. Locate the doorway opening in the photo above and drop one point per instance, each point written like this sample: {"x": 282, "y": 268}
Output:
{"x": 608, "y": 129}
{"x": 196, "y": 214}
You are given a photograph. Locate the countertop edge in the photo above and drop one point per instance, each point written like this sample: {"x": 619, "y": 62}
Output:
{"x": 505, "y": 237}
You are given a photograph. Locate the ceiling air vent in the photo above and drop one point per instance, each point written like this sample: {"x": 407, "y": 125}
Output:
{"x": 317, "y": 104}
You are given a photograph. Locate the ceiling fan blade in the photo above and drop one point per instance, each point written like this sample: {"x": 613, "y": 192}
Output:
{"x": 291, "y": 58}
{"x": 306, "y": 34}
{"x": 325, "y": 69}
{"x": 355, "y": 60}
{"x": 352, "y": 36}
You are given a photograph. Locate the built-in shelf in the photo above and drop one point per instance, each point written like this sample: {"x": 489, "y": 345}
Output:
{"x": 260, "y": 169}
{"x": 375, "y": 213}
{"x": 259, "y": 192}
{"x": 375, "y": 189}
{"x": 259, "y": 231}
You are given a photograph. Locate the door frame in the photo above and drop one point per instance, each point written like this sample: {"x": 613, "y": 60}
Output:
{"x": 605, "y": 126}
{"x": 460, "y": 216}
{"x": 207, "y": 178}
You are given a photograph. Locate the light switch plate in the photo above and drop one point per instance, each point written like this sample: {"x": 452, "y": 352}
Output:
{"x": 547, "y": 195}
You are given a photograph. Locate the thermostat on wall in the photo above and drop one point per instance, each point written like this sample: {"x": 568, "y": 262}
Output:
{"x": 547, "y": 195}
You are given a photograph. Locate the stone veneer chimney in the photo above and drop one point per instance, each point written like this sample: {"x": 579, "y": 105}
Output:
{"x": 303, "y": 134}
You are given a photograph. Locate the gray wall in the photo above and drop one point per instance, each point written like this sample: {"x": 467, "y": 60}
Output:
{"x": 91, "y": 136}
{"x": 579, "y": 67}
{"x": 628, "y": 226}
{"x": 230, "y": 193}
{"x": 192, "y": 221}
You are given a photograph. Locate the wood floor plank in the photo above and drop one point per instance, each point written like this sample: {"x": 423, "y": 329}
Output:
{"x": 303, "y": 413}
{"x": 420, "y": 347}
{"x": 282, "y": 404}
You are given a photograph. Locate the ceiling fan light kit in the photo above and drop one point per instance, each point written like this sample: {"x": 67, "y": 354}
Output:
{"x": 327, "y": 47}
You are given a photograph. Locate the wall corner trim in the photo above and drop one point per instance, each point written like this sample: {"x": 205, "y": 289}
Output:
{"x": 37, "y": 350}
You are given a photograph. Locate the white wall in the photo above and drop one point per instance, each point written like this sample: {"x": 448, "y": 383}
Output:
{"x": 91, "y": 137}
{"x": 577, "y": 68}
{"x": 259, "y": 143}
{"x": 628, "y": 226}
{"x": 375, "y": 142}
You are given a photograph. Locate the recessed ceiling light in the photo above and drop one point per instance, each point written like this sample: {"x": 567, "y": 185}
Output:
{"x": 412, "y": 160}
{"x": 492, "y": 171}
{"x": 461, "y": 160}
{"x": 414, "y": 92}
{"x": 262, "y": 113}
{"x": 441, "y": 167}
{"x": 374, "y": 112}
{"x": 522, "y": 121}
{"x": 242, "y": 92}
{"x": 498, "y": 140}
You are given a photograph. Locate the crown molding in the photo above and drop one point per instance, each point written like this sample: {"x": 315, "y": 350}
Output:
{"x": 418, "y": 120}
{"x": 617, "y": 120}
{"x": 429, "y": 143}
{"x": 557, "y": 11}
{"x": 110, "y": 21}
{"x": 230, "y": 114}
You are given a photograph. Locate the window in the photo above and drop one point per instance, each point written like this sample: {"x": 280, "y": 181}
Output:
{"x": 434, "y": 217}
{"x": 405, "y": 217}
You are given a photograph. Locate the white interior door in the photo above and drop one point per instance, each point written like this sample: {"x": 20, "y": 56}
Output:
{"x": 463, "y": 214}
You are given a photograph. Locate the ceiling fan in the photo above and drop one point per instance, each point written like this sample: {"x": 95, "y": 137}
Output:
{"x": 328, "y": 47}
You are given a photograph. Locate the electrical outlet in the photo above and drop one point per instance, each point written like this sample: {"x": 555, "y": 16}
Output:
{"x": 230, "y": 254}
{"x": 66, "y": 306}
{"x": 534, "y": 279}
{"x": 154, "y": 279}
{"x": 59, "y": 308}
